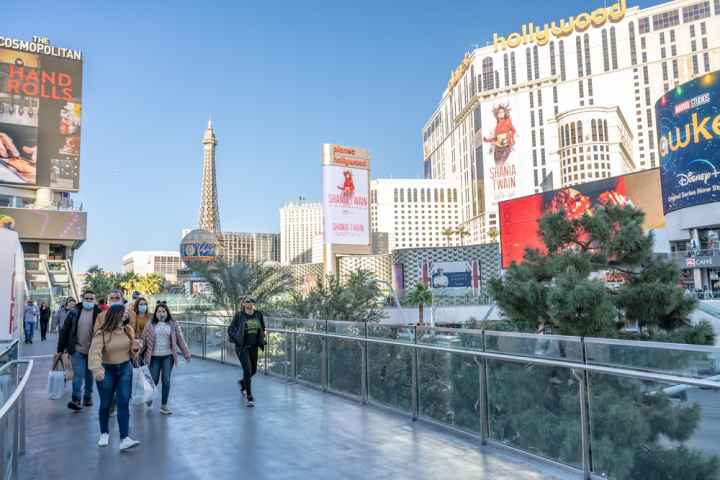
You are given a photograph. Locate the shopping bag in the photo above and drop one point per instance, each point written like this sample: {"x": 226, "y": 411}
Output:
{"x": 143, "y": 386}
{"x": 56, "y": 384}
{"x": 67, "y": 367}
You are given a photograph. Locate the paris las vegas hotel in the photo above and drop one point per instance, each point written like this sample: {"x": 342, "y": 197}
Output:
{"x": 563, "y": 103}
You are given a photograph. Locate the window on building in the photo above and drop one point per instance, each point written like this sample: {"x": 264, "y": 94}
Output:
{"x": 573, "y": 136}
{"x": 488, "y": 75}
{"x": 649, "y": 117}
{"x": 506, "y": 69}
{"x": 697, "y": 11}
{"x": 662, "y": 38}
{"x": 553, "y": 70}
{"x": 528, "y": 64}
{"x": 578, "y": 51}
{"x": 703, "y": 28}
{"x": 675, "y": 69}
{"x": 665, "y": 71}
{"x": 581, "y": 89}
{"x": 633, "y": 47}
{"x": 513, "y": 73}
{"x": 706, "y": 61}
{"x": 665, "y": 20}
{"x": 673, "y": 50}
{"x": 562, "y": 59}
{"x": 593, "y": 126}
{"x": 395, "y": 194}
{"x": 536, "y": 60}
{"x": 606, "y": 51}
{"x": 579, "y": 132}
{"x": 613, "y": 48}
{"x": 590, "y": 87}
{"x": 644, "y": 25}
{"x": 605, "y": 129}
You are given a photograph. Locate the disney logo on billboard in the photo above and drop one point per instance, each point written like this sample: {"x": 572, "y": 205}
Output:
{"x": 690, "y": 177}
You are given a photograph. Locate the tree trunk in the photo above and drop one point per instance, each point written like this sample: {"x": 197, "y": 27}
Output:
{"x": 420, "y": 314}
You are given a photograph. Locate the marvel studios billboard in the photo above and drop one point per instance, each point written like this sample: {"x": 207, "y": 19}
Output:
{"x": 688, "y": 120}
{"x": 40, "y": 114}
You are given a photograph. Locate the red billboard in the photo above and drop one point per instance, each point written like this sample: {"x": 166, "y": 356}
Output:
{"x": 520, "y": 217}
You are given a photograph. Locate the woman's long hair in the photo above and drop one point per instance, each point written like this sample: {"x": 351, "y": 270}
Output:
{"x": 167, "y": 310}
{"x": 136, "y": 304}
{"x": 113, "y": 318}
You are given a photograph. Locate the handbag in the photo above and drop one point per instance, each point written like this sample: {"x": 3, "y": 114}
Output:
{"x": 56, "y": 380}
{"x": 143, "y": 387}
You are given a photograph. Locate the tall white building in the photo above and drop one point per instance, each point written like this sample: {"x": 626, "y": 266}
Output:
{"x": 564, "y": 102}
{"x": 251, "y": 247}
{"x": 300, "y": 222}
{"x": 414, "y": 212}
{"x": 143, "y": 262}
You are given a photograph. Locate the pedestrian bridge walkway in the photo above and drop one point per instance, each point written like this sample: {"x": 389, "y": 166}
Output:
{"x": 294, "y": 432}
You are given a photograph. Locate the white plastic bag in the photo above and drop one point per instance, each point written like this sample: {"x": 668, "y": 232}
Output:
{"x": 143, "y": 386}
{"x": 56, "y": 384}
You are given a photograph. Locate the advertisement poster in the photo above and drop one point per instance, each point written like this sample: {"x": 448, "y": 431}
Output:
{"x": 520, "y": 217}
{"x": 12, "y": 280}
{"x": 450, "y": 278}
{"x": 40, "y": 115}
{"x": 506, "y": 151}
{"x": 65, "y": 225}
{"x": 345, "y": 205}
{"x": 688, "y": 120}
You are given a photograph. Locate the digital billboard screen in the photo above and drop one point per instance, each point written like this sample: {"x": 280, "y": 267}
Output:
{"x": 40, "y": 114}
{"x": 42, "y": 224}
{"x": 520, "y": 217}
{"x": 688, "y": 120}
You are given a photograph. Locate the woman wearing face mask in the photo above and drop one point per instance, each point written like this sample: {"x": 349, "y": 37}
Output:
{"x": 62, "y": 313}
{"x": 139, "y": 316}
{"x": 113, "y": 345}
{"x": 162, "y": 339}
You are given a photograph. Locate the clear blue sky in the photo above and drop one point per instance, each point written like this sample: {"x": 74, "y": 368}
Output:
{"x": 278, "y": 78}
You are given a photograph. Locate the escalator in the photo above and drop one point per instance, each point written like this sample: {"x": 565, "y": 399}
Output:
{"x": 61, "y": 282}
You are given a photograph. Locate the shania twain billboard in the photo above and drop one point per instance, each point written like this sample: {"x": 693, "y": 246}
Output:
{"x": 688, "y": 119}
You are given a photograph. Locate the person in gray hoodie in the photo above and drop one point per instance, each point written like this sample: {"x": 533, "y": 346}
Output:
{"x": 30, "y": 317}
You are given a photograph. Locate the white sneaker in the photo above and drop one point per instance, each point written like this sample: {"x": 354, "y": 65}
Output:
{"x": 128, "y": 443}
{"x": 104, "y": 440}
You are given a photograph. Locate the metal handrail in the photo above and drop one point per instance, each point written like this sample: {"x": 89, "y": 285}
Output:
{"x": 20, "y": 389}
{"x": 13, "y": 346}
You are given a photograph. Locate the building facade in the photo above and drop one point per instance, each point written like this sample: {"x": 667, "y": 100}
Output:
{"x": 300, "y": 223}
{"x": 251, "y": 247}
{"x": 164, "y": 263}
{"x": 415, "y": 212}
{"x": 564, "y": 102}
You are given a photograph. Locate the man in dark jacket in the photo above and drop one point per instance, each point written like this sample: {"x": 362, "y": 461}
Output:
{"x": 247, "y": 332}
{"x": 74, "y": 339}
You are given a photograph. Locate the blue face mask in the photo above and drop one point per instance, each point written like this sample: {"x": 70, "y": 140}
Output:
{"x": 88, "y": 305}
{"x": 142, "y": 309}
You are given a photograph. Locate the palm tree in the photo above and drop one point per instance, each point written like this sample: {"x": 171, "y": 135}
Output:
{"x": 420, "y": 296}
{"x": 448, "y": 232}
{"x": 462, "y": 232}
{"x": 230, "y": 283}
{"x": 150, "y": 284}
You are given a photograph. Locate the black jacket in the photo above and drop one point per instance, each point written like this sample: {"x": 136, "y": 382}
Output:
{"x": 68, "y": 336}
{"x": 236, "y": 331}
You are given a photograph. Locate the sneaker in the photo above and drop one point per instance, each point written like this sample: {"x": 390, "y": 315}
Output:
{"x": 104, "y": 440}
{"x": 165, "y": 410}
{"x": 74, "y": 405}
{"x": 127, "y": 443}
{"x": 87, "y": 402}
{"x": 250, "y": 401}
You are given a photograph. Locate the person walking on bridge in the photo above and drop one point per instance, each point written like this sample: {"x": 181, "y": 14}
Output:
{"x": 161, "y": 339}
{"x": 74, "y": 339}
{"x": 62, "y": 313}
{"x": 44, "y": 320}
{"x": 247, "y": 332}
{"x": 30, "y": 316}
{"x": 113, "y": 345}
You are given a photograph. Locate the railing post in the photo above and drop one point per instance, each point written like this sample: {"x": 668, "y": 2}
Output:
{"x": 22, "y": 418}
{"x": 222, "y": 345}
{"x": 582, "y": 378}
{"x": 483, "y": 404}
{"x": 293, "y": 355}
{"x": 324, "y": 361}
{"x": 266, "y": 352}
{"x": 364, "y": 369}
{"x": 19, "y": 431}
{"x": 205, "y": 339}
{"x": 414, "y": 394}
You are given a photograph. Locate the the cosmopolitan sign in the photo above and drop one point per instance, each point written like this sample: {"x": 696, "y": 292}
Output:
{"x": 40, "y": 45}
{"x": 530, "y": 33}
{"x": 688, "y": 120}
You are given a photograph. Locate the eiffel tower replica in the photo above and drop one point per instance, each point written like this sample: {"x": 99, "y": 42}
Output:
{"x": 209, "y": 210}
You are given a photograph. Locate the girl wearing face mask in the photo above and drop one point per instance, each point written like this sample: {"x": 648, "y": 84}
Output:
{"x": 162, "y": 339}
{"x": 139, "y": 316}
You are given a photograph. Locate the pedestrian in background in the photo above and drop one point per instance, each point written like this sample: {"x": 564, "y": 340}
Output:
{"x": 102, "y": 304}
{"x": 139, "y": 316}
{"x": 161, "y": 339}
{"x": 62, "y": 313}
{"x": 247, "y": 332}
{"x": 44, "y": 320}
{"x": 30, "y": 317}
{"x": 113, "y": 345}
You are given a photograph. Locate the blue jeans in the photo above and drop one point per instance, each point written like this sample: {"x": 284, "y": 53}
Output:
{"x": 29, "y": 330}
{"x": 116, "y": 384}
{"x": 165, "y": 364}
{"x": 80, "y": 373}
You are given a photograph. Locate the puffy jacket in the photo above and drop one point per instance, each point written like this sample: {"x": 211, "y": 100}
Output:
{"x": 68, "y": 335}
{"x": 236, "y": 331}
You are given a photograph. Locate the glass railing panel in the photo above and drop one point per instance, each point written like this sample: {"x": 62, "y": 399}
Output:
{"x": 307, "y": 325}
{"x": 557, "y": 347}
{"x": 231, "y": 356}
{"x": 643, "y": 430}
{"x": 536, "y": 409}
{"x": 696, "y": 361}
{"x": 345, "y": 366}
{"x": 308, "y": 358}
{"x": 449, "y": 385}
{"x": 348, "y": 329}
{"x": 450, "y": 338}
{"x": 8, "y": 382}
{"x": 214, "y": 342}
{"x": 390, "y": 375}
{"x": 194, "y": 337}
{"x": 278, "y": 352}
{"x": 400, "y": 333}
